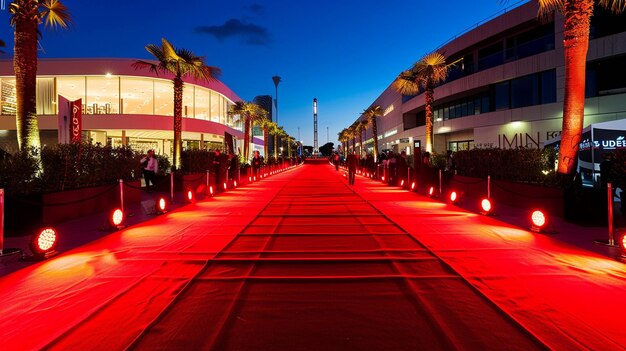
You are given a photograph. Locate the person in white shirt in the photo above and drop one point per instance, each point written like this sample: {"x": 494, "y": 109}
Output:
{"x": 150, "y": 169}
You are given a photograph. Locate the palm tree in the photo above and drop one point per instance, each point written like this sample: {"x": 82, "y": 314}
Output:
{"x": 268, "y": 127}
{"x": 358, "y": 129}
{"x": 371, "y": 114}
{"x": 250, "y": 113}
{"x": 577, "y": 15}
{"x": 279, "y": 134}
{"x": 26, "y": 16}
{"x": 180, "y": 63}
{"x": 365, "y": 125}
{"x": 352, "y": 135}
{"x": 426, "y": 73}
{"x": 343, "y": 138}
{"x": 290, "y": 140}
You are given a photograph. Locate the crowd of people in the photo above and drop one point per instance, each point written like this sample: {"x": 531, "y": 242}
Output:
{"x": 391, "y": 167}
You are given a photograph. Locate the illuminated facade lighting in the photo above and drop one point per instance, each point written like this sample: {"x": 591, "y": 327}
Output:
{"x": 454, "y": 197}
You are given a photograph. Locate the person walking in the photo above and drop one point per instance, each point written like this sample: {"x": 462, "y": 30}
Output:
{"x": 336, "y": 161}
{"x": 150, "y": 167}
{"x": 256, "y": 164}
{"x": 353, "y": 163}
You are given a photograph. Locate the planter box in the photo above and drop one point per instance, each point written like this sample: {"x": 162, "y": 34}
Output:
{"x": 30, "y": 212}
{"x": 65, "y": 205}
{"x": 526, "y": 196}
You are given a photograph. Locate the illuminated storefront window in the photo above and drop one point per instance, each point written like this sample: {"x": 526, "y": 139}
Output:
{"x": 137, "y": 96}
{"x": 103, "y": 96}
{"x": 188, "y": 106}
{"x": 7, "y": 96}
{"x": 163, "y": 98}
{"x": 202, "y": 100}
{"x": 71, "y": 88}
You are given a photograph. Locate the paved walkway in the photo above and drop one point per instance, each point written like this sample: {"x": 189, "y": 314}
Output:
{"x": 302, "y": 261}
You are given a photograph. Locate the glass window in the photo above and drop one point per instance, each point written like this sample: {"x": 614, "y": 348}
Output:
{"x": 501, "y": 95}
{"x": 485, "y": 103}
{"x": 188, "y": 95}
{"x": 103, "y": 96}
{"x": 71, "y": 88}
{"x": 202, "y": 102}
{"x": 7, "y": 97}
{"x": 46, "y": 99}
{"x": 524, "y": 91}
{"x": 215, "y": 107}
{"x": 137, "y": 96}
{"x": 548, "y": 86}
{"x": 446, "y": 112}
{"x": 223, "y": 106}
{"x": 163, "y": 98}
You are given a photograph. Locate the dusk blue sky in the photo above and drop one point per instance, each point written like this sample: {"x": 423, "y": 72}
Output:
{"x": 345, "y": 53}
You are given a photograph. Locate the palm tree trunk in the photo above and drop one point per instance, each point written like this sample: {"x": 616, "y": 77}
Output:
{"x": 246, "y": 139}
{"x": 178, "y": 122}
{"x": 25, "y": 66}
{"x": 375, "y": 136}
{"x": 275, "y": 147}
{"x": 576, "y": 43}
{"x": 428, "y": 101}
{"x": 266, "y": 136}
{"x": 361, "y": 142}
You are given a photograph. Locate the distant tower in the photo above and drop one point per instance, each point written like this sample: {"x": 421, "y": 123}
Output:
{"x": 276, "y": 79}
{"x": 316, "y": 150}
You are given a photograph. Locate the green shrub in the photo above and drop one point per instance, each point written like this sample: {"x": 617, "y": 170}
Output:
{"x": 18, "y": 173}
{"x": 196, "y": 161}
{"x": 518, "y": 165}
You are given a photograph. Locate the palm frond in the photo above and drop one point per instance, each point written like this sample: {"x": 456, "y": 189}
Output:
{"x": 407, "y": 83}
{"x": 141, "y": 64}
{"x": 548, "y": 7}
{"x": 617, "y": 6}
{"x": 168, "y": 50}
{"x": 55, "y": 14}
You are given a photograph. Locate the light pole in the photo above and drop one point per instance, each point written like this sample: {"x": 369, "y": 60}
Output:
{"x": 276, "y": 80}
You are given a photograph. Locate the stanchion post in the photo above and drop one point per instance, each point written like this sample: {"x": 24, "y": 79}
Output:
{"x": 611, "y": 241}
{"x": 122, "y": 194}
{"x": 440, "y": 184}
{"x": 489, "y": 187}
{"x": 207, "y": 183}
{"x": 172, "y": 186}
{"x": 1, "y": 220}
{"x": 609, "y": 195}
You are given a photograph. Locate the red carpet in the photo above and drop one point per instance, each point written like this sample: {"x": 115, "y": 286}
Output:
{"x": 300, "y": 261}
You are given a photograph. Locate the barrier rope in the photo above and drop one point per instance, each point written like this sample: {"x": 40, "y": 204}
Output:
{"x": 524, "y": 195}
{"x": 454, "y": 179}
{"x": 37, "y": 203}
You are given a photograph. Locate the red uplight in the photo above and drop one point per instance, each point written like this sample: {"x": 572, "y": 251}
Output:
{"x": 485, "y": 205}
{"x": 162, "y": 204}
{"x": 117, "y": 217}
{"x": 211, "y": 189}
{"x": 249, "y": 179}
{"x": 622, "y": 243}
{"x": 453, "y": 196}
{"x": 235, "y": 183}
{"x": 189, "y": 195}
{"x": 539, "y": 219}
{"x": 431, "y": 191}
{"x": 413, "y": 186}
{"x": 402, "y": 182}
{"x": 383, "y": 178}
{"x": 44, "y": 242}
{"x": 254, "y": 178}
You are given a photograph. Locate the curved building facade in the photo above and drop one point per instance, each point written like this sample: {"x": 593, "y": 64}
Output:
{"x": 508, "y": 91}
{"x": 122, "y": 106}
